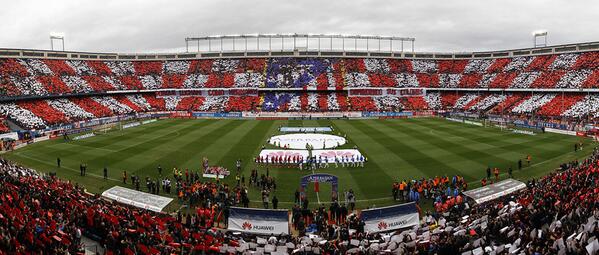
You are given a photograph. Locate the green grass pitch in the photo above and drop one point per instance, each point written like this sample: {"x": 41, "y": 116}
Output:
{"x": 396, "y": 149}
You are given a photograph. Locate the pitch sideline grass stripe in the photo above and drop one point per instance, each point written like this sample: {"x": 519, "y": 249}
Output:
{"x": 69, "y": 151}
{"x": 474, "y": 134}
{"x": 124, "y": 135}
{"x": 491, "y": 151}
{"x": 463, "y": 151}
{"x": 219, "y": 148}
{"x": 483, "y": 132}
{"x": 437, "y": 143}
{"x": 489, "y": 140}
{"x": 166, "y": 132}
{"x": 507, "y": 149}
{"x": 126, "y": 153}
{"x": 78, "y": 147}
{"x": 480, "y": 158}
{"x": 391, "y": 167}
{"x": 195, "y": 129}
{"x": 372, "y": 169}
{"x": 185, "y": 151}
{"x": 416, "y": 142}
{"x": 115, "y": 160}
{"x": 252, "y": 141}
{"x": 503, "y": 164}
{"x": 539, "y": 144}
{"x": 352, "y": 174}
{"x": 241, "y": 147}
{"x": 171, "y": 145}
{"x": 64, "y": 167}
{"x": 480, "y": 135}
{"x": 423, "y": 161}
{"x": 376, "y": 152}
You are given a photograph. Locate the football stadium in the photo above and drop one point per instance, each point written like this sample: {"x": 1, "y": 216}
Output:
{"x": 298, "y": 143}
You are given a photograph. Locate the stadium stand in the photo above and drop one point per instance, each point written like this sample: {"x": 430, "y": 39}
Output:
{"x": 570, "y": 70}
{"x": 522, "y": 86}
{"x": 65, "y": 110}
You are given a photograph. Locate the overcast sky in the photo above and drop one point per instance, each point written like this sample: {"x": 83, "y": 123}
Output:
{"x": 161, "y": 26}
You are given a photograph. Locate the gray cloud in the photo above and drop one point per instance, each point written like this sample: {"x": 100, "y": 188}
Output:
{"x": 160, "y": 26}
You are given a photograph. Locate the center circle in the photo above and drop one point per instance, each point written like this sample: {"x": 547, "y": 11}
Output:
{"x": 299, "y": 141}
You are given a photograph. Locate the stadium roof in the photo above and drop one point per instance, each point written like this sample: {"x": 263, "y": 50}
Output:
{"x": 299, "y": 52}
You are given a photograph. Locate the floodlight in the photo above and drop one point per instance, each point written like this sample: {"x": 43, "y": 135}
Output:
{"x": 539, "y": 33}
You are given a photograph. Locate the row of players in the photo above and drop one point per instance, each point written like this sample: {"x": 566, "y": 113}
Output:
{"x": 312, "y": 162}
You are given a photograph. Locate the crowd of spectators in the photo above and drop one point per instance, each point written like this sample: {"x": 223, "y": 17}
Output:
{"x": 32, "y": 216}
{"x": 388, "y": 104}
{"x": 590, "y": 104}
{"x": 487, "y": 102}
{"x": 437, "y": 188}
{"x": 558, "y": 105}
{"x": 21, "y": 116}
{"x": 42, "y": 214}
{"x": 114, "y": 105}
{"x": 506, "y": 106}
{"x": 50, "y": 115}
{"x": 43, "y": 77}
{"x": 416, "y": 103}
{"x": 3, "y": 126}
{"x": 70, "y": 109}
{"x": 465, "y": 100}
{"x": 92, "y": 106}
{"x": 215, "y": 104}
{"x": 533, "y": 103}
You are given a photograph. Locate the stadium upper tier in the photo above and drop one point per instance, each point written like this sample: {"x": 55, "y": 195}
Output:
{"x": 554, "y": 72}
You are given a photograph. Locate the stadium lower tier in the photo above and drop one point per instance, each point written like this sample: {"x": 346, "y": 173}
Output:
{"x": 45, "y": 214}
{"x": 36, "y": 114}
